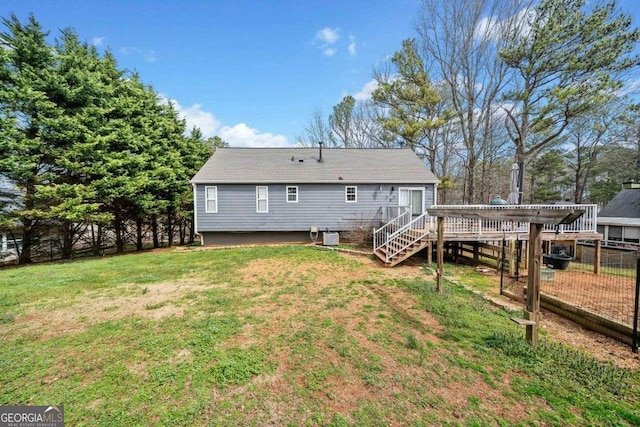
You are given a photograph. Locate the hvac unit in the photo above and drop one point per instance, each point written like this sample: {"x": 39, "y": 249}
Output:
{"x": 330, "y": 239}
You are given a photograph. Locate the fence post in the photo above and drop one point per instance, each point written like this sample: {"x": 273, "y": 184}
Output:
{"x": 634, "y": 344}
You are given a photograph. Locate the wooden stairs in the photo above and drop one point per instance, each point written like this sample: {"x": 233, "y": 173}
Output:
{"x": 407, "y": 247}
{"x": 401, "y": 238}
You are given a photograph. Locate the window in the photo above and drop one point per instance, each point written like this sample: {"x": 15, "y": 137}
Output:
{"x": 292, "y": 194}
{"x": 631, "y": 234}
{"x": 211, "y": 199}
{"x": 262, "y": 199}
{"x": 350, "y": 194}
{"x": 615, "y": 233}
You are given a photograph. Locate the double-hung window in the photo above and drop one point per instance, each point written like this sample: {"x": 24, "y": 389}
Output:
{"x": 292, "y": 194}
{"x": 351, "y": 194}
{"x": 262, "y": 199}
{"x": 211, "y": 199}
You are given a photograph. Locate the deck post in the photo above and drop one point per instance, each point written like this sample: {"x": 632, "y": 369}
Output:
{"x": 533, "y": 282}
{"x": 596, "y": 257}
{"x": 440, "y": 271}
{"x": 429, "y": 252}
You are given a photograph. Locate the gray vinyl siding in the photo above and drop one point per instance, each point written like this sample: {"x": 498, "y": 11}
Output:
{"x": 319, "y": 205}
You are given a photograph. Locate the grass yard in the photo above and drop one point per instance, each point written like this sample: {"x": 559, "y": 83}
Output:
{"x": 286, "y": 335}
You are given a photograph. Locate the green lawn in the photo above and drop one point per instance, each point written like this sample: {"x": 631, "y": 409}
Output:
{"x": 286, "y": 335}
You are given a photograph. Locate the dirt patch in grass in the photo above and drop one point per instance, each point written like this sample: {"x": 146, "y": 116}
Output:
{"x": 372, "y": 364}
{"x": 155, "y": 302}
{"x": 279, "y": 271}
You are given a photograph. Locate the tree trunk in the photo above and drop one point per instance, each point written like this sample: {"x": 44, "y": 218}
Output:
{"x": 471, "y": 183}
{"x": 183, "y": 231}
{"x": 139, "y": 246}
{"x": 99, "y": 239}
{"x": 170, "y": 226}
{"x": 28, "y": 226}
{"x": 67, "y": 239}
{"x": 27, "y": 242}
{"x": 154, "y": 230}
{"x": 93, "y": 239}
{"x": 96, "y": 239}
{"x": 192, "y": 234}
{"x": 520, "y": 179}
{"x": 117, "y": 223}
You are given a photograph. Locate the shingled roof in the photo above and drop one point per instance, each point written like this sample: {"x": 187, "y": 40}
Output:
{"x": 626, "y": 204}
{"x": 301, "y": 165}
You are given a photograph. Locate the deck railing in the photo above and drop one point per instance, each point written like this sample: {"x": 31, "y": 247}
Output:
{"x": 585, "y": 224}
{"x": 388, "y": 236}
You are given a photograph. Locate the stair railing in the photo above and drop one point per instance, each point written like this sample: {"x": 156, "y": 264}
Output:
{"x": 381, "y": 235}
{"x": 393, "y": 244}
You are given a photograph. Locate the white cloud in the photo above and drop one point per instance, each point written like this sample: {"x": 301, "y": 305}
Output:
{"x": 327, "y": 36}
{"x": 366, "y": 91}
{"x": 147, "y": 55}
{"x": 97, "y": 41}
{"x": 329, "y": 51}
{"x": 195, "y": 116}
{"x": 239, "y": 135}
{"x": 352, "y": 46}
{"x": 242, "y": 135}
{"x": 325, "y": 40}
{"x": 492, "y": 29}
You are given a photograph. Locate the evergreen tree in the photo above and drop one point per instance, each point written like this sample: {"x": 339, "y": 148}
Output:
{"x": 566, "y": 63}
{"x": 412, "y": 103}
{"x": 27, "y": 111}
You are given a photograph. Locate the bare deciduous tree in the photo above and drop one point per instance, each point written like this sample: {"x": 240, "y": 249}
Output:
{"x": 461, "y": 40}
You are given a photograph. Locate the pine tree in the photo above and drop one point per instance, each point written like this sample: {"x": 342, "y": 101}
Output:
{"x": 27, "y": 110}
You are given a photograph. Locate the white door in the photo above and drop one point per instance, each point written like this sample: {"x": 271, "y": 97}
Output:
{"x": 413, "y": 198}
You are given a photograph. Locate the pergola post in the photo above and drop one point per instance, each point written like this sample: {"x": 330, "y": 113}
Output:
{"x": 533, "y": 283}
{"x": 536, "y": 217}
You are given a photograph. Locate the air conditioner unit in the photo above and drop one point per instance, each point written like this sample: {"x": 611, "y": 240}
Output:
{"x": 330, "y": 239}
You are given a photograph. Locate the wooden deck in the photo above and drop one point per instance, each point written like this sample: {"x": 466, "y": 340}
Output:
{"x": 402, "y": 236}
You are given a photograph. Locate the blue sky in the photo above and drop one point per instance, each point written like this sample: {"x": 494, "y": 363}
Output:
{"x": 252, "y": 72}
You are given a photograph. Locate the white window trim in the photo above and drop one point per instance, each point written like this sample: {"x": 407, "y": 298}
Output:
{"x": 266, "y": 192}
{"x": 286, "y": 195}
{"x": 206, "y": 201}
{"x": 346, "y": 198}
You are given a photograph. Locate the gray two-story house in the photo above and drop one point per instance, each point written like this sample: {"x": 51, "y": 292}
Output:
{"x": 251, "y": 195}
